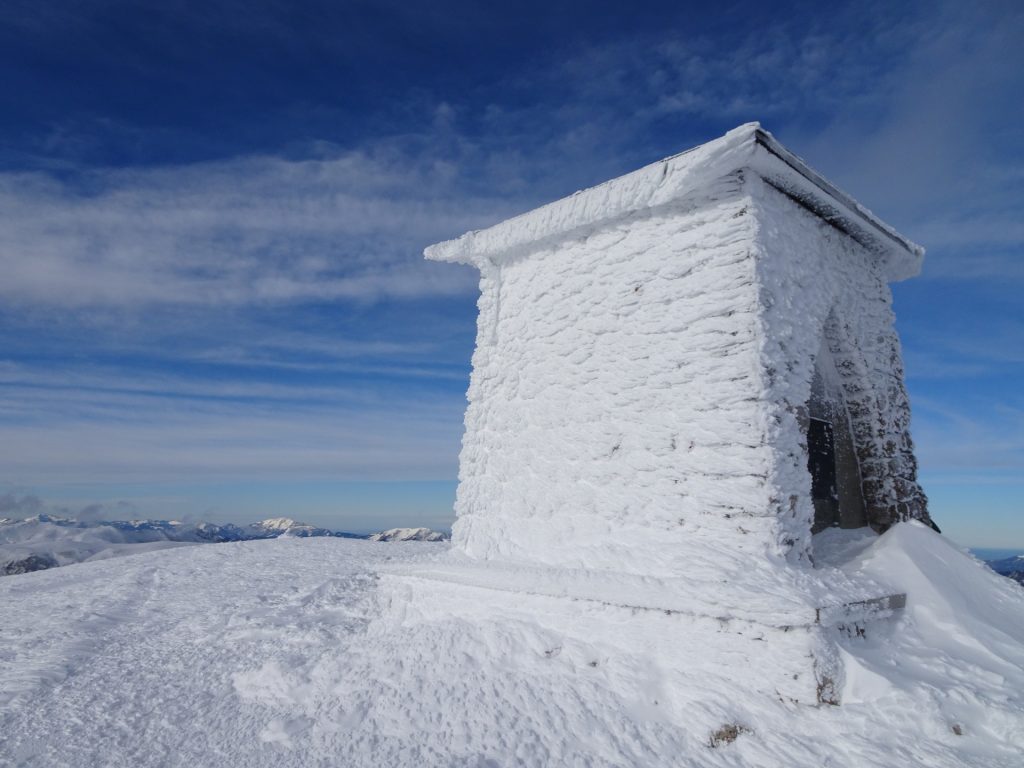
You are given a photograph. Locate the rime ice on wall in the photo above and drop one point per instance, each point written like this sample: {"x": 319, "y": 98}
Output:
{"x": 816, "y": 284}
{"x": 644, "y": 351}
{"x": 611, "y": 413}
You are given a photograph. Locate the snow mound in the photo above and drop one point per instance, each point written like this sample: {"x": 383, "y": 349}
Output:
{"x": 409, "y": 534}
{"x": 836, "y": 546}
{"x": 957, "y": 649}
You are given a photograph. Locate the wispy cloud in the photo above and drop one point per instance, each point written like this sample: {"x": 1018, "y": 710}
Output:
{"x": 809, "y": 67}
{"x": 20, "y": 505}
{"x": 339, "y": 225}
{"x": 23, "y": 388}
{"x": 873, "y": 96}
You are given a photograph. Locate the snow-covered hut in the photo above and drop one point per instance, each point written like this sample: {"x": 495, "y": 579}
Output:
{"x": 680, "y": 375}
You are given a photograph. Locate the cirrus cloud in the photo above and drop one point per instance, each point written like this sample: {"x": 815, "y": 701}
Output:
{"x": 338, "y": 225}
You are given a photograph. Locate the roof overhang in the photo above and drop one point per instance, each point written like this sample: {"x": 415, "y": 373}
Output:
{"x": 748, "y": 147}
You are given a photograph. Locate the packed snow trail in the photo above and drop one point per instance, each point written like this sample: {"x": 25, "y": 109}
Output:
{"x": 293, "y": 652}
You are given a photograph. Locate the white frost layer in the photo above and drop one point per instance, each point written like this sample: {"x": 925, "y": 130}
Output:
{"x": 634, "y": 401}
{"x": 613, "y": 420}
{"x": 287, "y": 653}
{"x": 815, "y": 283}
{"x": 652, "y": 185}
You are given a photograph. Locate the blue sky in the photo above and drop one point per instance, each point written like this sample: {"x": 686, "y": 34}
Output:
{"x": 212, "y": 297}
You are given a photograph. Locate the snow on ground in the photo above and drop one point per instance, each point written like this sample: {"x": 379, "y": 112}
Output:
{"x": 293, "y": 652}
{"x": 961, "y": 639}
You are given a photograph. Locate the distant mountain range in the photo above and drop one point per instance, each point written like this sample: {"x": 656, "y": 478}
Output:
{"x": 408, "y": 534}
{"x": 1011, "y": 567}
{"x": 47, "y": 541}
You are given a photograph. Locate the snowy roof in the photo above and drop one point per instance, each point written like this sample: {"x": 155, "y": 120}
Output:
{"x": 746, "y": 147}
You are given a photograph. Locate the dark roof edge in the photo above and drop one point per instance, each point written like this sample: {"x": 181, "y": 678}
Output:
{"x": 771, "y": 145}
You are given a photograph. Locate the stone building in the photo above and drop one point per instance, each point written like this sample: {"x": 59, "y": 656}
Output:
{"x": 707, "y": 339}
{"x": 681, "y": 375}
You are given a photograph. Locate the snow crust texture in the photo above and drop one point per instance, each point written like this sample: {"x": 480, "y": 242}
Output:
{"x": 612, "y": 409}
{"x": 298, "y": 652}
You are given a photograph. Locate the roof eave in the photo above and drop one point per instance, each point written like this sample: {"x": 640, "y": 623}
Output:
{"x": 900, "y": 257}
{"x": 746, "y": 147}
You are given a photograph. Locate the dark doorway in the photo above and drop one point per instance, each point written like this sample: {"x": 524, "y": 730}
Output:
{"x": 836, "y": 489}
{"x": 821, "y": 463}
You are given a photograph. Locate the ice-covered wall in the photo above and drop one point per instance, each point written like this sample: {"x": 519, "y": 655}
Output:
{"x": 615, "y": 417}
{"x": 817, "y": 282}
{"x": 644, "y": 354}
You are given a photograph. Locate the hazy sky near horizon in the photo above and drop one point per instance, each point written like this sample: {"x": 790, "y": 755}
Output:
{"x": 213, "y": 302}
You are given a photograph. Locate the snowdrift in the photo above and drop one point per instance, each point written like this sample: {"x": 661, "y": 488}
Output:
{"x": 958, "y": 649}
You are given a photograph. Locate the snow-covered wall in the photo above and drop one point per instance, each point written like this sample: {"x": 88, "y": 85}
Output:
{"x": 644, "y": 357}
{"x": 615, "y": 418}
{"x": 817, "y": 282}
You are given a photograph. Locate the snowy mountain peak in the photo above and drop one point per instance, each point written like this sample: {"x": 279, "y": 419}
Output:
{"x": 285, "y": 526}
{"x": 276, "y": 524}
{"x": 409, "y": 534}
